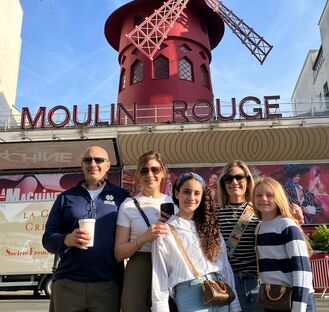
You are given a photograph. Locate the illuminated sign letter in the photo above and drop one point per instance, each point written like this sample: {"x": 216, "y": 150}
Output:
{"x": 98, "y": 122}
{"x": 53, "y": 111}
{"x": 130, "y": 116}
{"x": 75, "y": 116}
{"x": 202, "y": 116}
{"x": 258, "y": 111}
{"x": 230, "y": 117}
{"x": 33, "y": 124}
{"x": 268, "y": 106}
{"x": 182, "y": 109}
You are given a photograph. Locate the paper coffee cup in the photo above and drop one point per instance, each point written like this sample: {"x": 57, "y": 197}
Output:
{"x": 89, "y": 225}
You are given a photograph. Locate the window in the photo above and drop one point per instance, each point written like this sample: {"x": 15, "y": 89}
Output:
{"x": 204, "y": 27}
{"x": 326, "y": 94}
{"x": 163, "y": 46}
{"x": 185, "y": 48}
{"x": 205, "y": 76}
{"x": 185, "y": 69}
{"x": 203, "y": 55}
{"x": 135, "y": 51}
{"x": 136, "y": 72}
{"x": 123, "y": 78}
{"x": 326, "y": 90}
{"x": 138, "y": 20}
{"x": 161, "y": 67}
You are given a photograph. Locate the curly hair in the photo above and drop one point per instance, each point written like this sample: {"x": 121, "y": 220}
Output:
{"x": 205, "y": 218}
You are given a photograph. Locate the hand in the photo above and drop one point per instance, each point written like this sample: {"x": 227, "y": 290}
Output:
{"x": 156, "y": 230}
{"x": 297, "y": 213}
{"x": 78, "y": 238}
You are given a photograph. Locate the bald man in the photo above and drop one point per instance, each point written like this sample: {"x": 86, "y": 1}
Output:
{"x": 87, "y": 278}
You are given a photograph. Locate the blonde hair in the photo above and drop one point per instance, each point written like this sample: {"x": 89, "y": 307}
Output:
{"x": 282, "y": 203}
{"x": 223, "y": 197}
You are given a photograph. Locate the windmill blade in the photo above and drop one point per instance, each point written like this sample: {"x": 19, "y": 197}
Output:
{"x": 148, "y": 36}
{"x": 256, "y": 44}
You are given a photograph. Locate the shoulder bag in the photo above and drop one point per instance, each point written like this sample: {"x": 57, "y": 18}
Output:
{"x": 216, "y": 293}
{"x": 271, "y": 296}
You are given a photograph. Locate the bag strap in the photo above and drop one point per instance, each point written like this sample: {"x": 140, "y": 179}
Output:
{"x": 239, "y": 228}
{"x": 257, "y": 254}
{"x": 187, "y": 258}
{"x": 141, "y": 211}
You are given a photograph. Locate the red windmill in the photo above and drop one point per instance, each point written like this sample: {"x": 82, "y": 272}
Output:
{"x": 165, "y": 50}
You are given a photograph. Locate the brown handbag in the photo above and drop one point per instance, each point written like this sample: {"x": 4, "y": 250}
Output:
{"x": 275, "y": 297}
{"x": 216, "y": 293}
{"x": 271, "y": 296}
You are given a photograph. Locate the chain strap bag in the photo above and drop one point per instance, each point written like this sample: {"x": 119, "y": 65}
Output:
{"x": 216, "y": 293}
{"x": 271, "y": 296}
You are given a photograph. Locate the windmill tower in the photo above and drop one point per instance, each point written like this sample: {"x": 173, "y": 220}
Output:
{"x": 165, "y": 51}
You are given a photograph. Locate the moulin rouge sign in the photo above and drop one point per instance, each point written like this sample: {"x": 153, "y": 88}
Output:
{"x": 179, "y": 113}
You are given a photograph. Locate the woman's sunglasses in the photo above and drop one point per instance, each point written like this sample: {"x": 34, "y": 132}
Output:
{"x": 229, "y": 178}
{"x": 155, "y": 170}
{"x": 89, "y": 160}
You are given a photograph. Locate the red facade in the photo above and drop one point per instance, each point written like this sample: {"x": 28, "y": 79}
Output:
{"x": 179, "y": 70}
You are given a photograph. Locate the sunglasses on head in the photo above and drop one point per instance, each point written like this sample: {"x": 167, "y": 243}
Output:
{"x": 155, "y": 170}
{"x": 228, "y": 178}
{"x": 89, "y": 160}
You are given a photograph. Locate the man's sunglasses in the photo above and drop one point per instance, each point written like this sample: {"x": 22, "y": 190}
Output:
{"x": 229, "y": 178}
{"x": 89, "y": 160}
{"x": 155, "y": 170}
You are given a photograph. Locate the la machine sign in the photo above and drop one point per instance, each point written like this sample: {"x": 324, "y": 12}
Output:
{"x": 180, "y": 111}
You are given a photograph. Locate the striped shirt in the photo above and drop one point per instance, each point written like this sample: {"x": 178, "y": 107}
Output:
{"x": 244, "y": 257}
{"x": 170, "y": 267}
{"x": 283, "y": 259}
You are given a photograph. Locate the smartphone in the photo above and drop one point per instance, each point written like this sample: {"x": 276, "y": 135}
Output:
{"x": 168, "y": 208}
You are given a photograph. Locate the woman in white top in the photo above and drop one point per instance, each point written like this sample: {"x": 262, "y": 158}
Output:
{"x": 197, "y": 227}
{"x": 134, "y": 237}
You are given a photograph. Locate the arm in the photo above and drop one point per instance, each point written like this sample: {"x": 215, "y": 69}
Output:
{"x": 124, "y": 248}
{"x": 297, "y": 213}
{"x": 301, "y": 270}
{"x": 160, "y": 285}
{"x": 59, "y": 234}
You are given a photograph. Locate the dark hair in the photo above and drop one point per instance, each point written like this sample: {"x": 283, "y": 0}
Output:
{"x": 143, "y": 159}
{"x": 205, "y": 217}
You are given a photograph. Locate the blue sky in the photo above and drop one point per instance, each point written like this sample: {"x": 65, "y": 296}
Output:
{"x": 66, "y": 60}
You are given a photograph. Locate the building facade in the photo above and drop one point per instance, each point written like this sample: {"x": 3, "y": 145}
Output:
{"x": 11, "y": 16}
{"x": 311, "y": 93}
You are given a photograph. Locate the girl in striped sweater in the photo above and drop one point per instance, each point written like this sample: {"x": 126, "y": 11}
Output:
{"x": 283, "y": 249}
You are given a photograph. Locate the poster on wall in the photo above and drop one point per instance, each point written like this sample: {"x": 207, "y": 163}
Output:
{"x": 25, "y": 203}
{"x": 306, "y": 185}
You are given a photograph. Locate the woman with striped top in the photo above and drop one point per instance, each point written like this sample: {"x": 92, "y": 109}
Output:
{"x": 235, "y": 189}
{"x": 282, "y": 248}
{"x": 198, "y": 229}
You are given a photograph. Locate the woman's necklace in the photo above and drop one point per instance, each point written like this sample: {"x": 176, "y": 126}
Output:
{"x": 235, "y": 207}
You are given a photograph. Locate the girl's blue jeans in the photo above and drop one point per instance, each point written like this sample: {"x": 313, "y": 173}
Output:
{"x": 188, "y": 297}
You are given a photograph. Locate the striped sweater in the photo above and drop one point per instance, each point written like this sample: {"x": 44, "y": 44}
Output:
{"x": 244, "y": 257}
{"x": 283, "y": 258}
